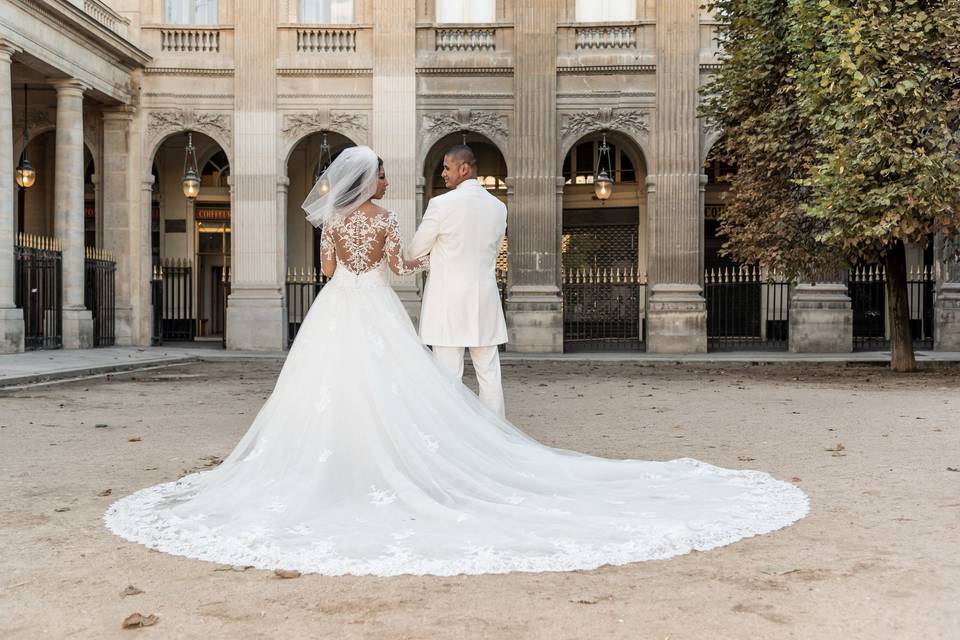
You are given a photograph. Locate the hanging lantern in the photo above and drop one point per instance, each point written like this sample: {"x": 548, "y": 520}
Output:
{"x": 191, "y": 177}
{"x": 602, "y": 183}
{"x": 322, "y": 163}
{"x": 26, "y": 174}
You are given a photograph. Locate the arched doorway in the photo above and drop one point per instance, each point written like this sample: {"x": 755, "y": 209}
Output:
{"x": 492, "y": 173}
{"x": 191, "y": 241}
{"x": 603, "y": 246}
{"x": 307, "y": 160}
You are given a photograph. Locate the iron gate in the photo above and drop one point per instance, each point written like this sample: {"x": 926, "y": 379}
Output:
{"x": 173, "y": 318}
{"x": 603, "y": 289}
{"x": 39, "y": 274}
{"x": 99, "y": 293}
{"x": 745, "y": 310}
{"x": 303, "y": 287}
{"x": 866, "y": 286}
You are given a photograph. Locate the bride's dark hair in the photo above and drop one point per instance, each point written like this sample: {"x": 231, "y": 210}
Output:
{"x": 344, "y": 200}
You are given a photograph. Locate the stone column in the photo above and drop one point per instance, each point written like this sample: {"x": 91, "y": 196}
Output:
{"x": 534, "y": 302}
{"x": 142, "y": 292}
{"x": 11, "y": 317}
{"x": 255, "y": 319}
{"x": 122, "y": 230}
{"x": 676, "y": 314}
{"x": 394, "y": 127}
{"x": 68, "y": 212}
{"x": 283, "y": 190}
{"x": 821, "y": 317}
{"x": 946, "y": 324}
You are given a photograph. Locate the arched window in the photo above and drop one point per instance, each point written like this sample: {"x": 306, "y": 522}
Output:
{"x": 190, "y": 12}
{"x": 326, "y": 11}
{"x": 461, "y": 11}
{"x": 606, "y": 10}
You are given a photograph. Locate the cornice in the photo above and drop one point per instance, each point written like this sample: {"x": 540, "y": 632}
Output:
{"x": 98, "y": 35}
{"x": 465, "y": 71}
{"x": 607, "y": 69}
{"x": 187, "y": 71}
{"x": 302, "y": 71}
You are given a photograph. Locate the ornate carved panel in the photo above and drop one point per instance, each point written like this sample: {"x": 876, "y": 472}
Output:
{"x": 215, "y": 125}
{"x": 353, "y": 125}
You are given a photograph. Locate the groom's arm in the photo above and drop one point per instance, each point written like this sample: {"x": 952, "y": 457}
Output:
{"x": 427, "y": 232}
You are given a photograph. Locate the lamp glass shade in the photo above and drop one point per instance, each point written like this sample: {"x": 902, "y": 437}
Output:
{"x": 191, "y": 185}
{"x": 603, "y": 186}
{"x": 26, "y": 175}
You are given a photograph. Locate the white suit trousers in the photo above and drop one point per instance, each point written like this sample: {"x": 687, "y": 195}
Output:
{"x": 486, "y": 364}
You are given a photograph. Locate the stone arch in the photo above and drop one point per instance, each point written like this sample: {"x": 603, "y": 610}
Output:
{"x": 709, "y": 137}
{"x": 488, "y": 124}
{"x": 636, "y": 147}
{"x": 292, "y": 142}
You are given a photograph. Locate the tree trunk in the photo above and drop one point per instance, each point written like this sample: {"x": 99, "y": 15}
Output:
{"x": 898, "y": 308}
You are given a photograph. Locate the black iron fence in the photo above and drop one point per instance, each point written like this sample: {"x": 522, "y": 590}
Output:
{"x": 39, "y": 275}
{"x": 100, "y": 272}
{"x": 601, "y": 309}
{"x": 746, "y": 310}
{"x": 172, "y": 293}
{"x": 303, "y": 287}
{"x": 866, "y": 286}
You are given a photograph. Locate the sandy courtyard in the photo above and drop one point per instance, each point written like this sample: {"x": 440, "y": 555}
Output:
{"x": 878, "y": 556}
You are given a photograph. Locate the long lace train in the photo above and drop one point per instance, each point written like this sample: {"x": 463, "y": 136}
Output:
{"x": 369, "y": 459}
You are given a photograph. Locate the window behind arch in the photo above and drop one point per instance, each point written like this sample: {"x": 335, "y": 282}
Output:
{"x": 326, "y": 11}
{"x": 464, "y": 11}
{"x": 606, "y": 10}
{"x": 190, "y": 12}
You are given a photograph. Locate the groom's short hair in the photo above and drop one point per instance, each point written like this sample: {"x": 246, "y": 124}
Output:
{"x": 463, "y": 153}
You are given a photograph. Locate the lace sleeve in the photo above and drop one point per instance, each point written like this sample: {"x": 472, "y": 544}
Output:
{"x": 394, "y": 250}
{"x": 328, "y": 251}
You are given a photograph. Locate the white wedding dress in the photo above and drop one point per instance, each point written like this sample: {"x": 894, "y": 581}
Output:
{"x": 370, "y": 459}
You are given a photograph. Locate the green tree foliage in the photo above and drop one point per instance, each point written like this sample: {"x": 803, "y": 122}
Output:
{"x": 868, "y": 94}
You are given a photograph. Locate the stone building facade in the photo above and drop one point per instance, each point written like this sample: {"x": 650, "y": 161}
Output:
{"x": 103, "y": 96}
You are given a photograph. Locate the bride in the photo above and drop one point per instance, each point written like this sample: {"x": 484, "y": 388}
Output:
{"x": 370, "y": 459}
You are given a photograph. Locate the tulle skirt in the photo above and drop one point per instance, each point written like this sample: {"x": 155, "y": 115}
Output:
{"x": 370, "y": 459}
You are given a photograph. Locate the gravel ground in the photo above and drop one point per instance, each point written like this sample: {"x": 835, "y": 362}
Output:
{"x": 878, "y": 557}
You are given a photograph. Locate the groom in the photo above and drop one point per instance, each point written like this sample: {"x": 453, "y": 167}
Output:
{"x": 462, "y": 231}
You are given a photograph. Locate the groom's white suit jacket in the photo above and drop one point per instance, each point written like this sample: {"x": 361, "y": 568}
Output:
{"x": 462, "y": 230}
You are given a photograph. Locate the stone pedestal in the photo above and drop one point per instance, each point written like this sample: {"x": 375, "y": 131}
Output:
{"x": 255, "y": 312}
{"x": 68, "y": 213}
{"x": 821, "y": 319}
{"x": 946, "y": 323}
{"x": 534, "y": 302}
{"x": 11, "y": 318}
{"x": 946, "y": 309}
{"x": 676, "y": 319}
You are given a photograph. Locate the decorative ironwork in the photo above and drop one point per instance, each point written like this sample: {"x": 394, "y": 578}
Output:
{"x": 603, "y": 289}
{"x": 303, "y": 287}
{"x": 867, "y": 288}
{"x": 601, "y": 309}
{"x": 173, "y": 301}
{"x": 39, "y": 276}
{"x": 100, "y": 272}
{"x": 746, "y": 310}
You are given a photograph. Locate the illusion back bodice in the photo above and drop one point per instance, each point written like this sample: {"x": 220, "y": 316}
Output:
{"x": 360, "y": 241}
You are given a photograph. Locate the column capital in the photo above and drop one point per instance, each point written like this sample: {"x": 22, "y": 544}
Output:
{"x": 68, "y": 86}
{"x": 146, "y": 183}
{"x": 283, "y": 184}
{"x": 7, "y": 50}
